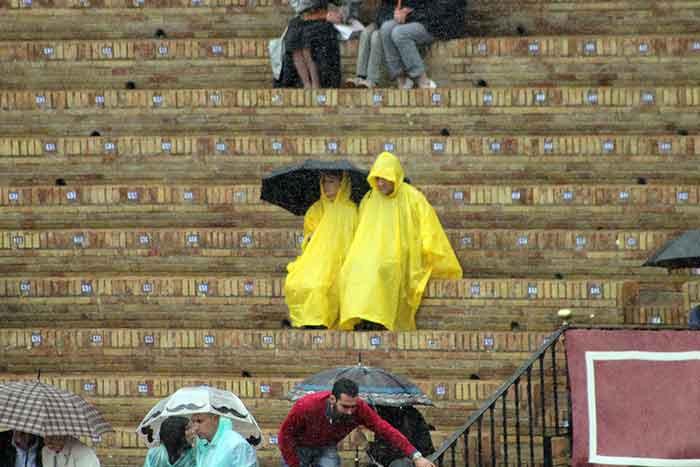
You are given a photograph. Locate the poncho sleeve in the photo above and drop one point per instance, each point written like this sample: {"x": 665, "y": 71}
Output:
{"x": 311, "y": 220}
{"x": 437, "y": 250}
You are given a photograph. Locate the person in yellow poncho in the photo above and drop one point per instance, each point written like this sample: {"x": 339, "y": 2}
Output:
{"x": 398, "y": 245}
{"x": 329, "y": 224}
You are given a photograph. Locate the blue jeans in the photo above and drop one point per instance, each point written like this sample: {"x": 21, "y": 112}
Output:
{"x": 317, "y": 457}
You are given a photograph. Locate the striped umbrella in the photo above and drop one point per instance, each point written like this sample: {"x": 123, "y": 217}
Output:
{"x": 377, "y": 386}
{"x": 45, "y": 410}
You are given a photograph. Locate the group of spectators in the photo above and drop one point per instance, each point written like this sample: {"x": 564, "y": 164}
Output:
{"x": 308, "y": 53}
{"x": 308, "y": 437}
{"x": 202, "y": 440}
{"x": 19, "y": 449}
{"x": 366, "y": 268}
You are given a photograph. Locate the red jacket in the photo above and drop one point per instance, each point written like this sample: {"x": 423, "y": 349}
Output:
{"x": 308, "y": 425}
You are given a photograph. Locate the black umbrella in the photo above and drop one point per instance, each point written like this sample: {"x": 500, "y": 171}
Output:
{"x": 681, "y": 252}
{"x": 296, "y": 187}
{"x": 377, "y": 386}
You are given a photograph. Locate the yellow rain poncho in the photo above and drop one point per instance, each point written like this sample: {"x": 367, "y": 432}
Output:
{"x": 310, "y": 290}
{"x": 399, "y": 244}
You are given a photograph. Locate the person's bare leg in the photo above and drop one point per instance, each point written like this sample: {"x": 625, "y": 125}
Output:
{"x": 300, "y": 65}
{"x": 313, "y": 69}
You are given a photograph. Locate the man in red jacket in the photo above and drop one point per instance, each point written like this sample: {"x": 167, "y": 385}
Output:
{"x": 318, "y": 422}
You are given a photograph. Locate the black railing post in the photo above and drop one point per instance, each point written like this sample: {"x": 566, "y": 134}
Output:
{"x": 502, "y": 392}
{"x": 466, "y": 448}
{"x": 479, "y": 459}
{"x": 518, "y": 453}
{"x": 555, "y": 389}
{"x": 568, "y": 403}
{"x": 453, "y": 452}
{"x": 530, "y": 417}
{"x": 493, "y": 435}
{"x": 543, "y": 415}
{"x": 505, "y": 428}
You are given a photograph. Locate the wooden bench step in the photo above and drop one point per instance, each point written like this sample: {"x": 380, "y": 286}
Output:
{"x": 223, "y": 301}
{"x": 649, "y": 60}
{"x": 249, "y": 251}
{"x": 126, "y": 399}
{"x": 435, "y": 160}
{"x": 294, "y": 354}
{"x": 497, "y": 110}
{"x": 148, "y": 197}
{"x": 43, "y": 19}
{"x": 279, "y": 148}
{"x": 247, "y": 217}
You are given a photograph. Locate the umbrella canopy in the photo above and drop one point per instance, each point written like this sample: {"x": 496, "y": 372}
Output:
{"x": 45, "y": 410}
{"x": 377, "y": 386}
{"x": 681, "y": 252}
{"x": 296, "y": 187}
{"x": 199, "y": 399}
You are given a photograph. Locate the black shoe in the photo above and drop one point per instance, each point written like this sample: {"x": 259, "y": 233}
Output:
{"x": 286, "y": 324}
{"x": 365, "y": 325}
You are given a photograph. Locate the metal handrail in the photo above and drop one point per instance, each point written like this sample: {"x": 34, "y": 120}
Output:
{"x": 522, "y": 370}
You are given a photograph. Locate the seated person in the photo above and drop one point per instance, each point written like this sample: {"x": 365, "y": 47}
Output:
{"x": 67, "y": 451}
{"x": 418, "y": 23}
{"x": 218, "y": 445}
{"x": 310, "y": 289}
{"x": 308, "y": 53}
{"x": 410, "y": 422}
{"x": 398, "y": 246}
{"x": 370, "y": 51}
{"x": 174, "y": 450}
{"x": 19, "y": 448}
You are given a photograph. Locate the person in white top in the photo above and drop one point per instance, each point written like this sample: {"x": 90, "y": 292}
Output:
{"x": 66, "y": 451}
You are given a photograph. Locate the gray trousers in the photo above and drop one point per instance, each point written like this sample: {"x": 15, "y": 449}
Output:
{"x": 401, "y": 42}
{"x": 370, "y": 54}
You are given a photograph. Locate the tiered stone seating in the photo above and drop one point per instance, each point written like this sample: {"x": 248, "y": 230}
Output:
{"x": 649, "y": 60}
{"x": 90, "y": 357}
{"x": 482, "y": 252}
{"x": 523, "y": 110}
{"x": 211, "y": 300}
{"x": 246, "y": 18}
{"x": 141, "y": 259}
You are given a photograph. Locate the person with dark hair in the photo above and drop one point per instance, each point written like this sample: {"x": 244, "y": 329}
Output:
{"x": 175, "y": 450}
{"x": 411, "y": 423}
{"x": 310, "y": 289}
{"x": 318, "y": 422}
{"x": 19, "y": 448}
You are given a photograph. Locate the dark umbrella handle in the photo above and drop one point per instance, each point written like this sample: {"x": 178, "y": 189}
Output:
{"x": 357, "y": 457}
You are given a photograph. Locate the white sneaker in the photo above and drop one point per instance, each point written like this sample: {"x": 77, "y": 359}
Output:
{"x": 408, "y": 84}
{"x": 351, "y": 83}
{"x": 364, "y": 83}
{"x": 429, "y": 85}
